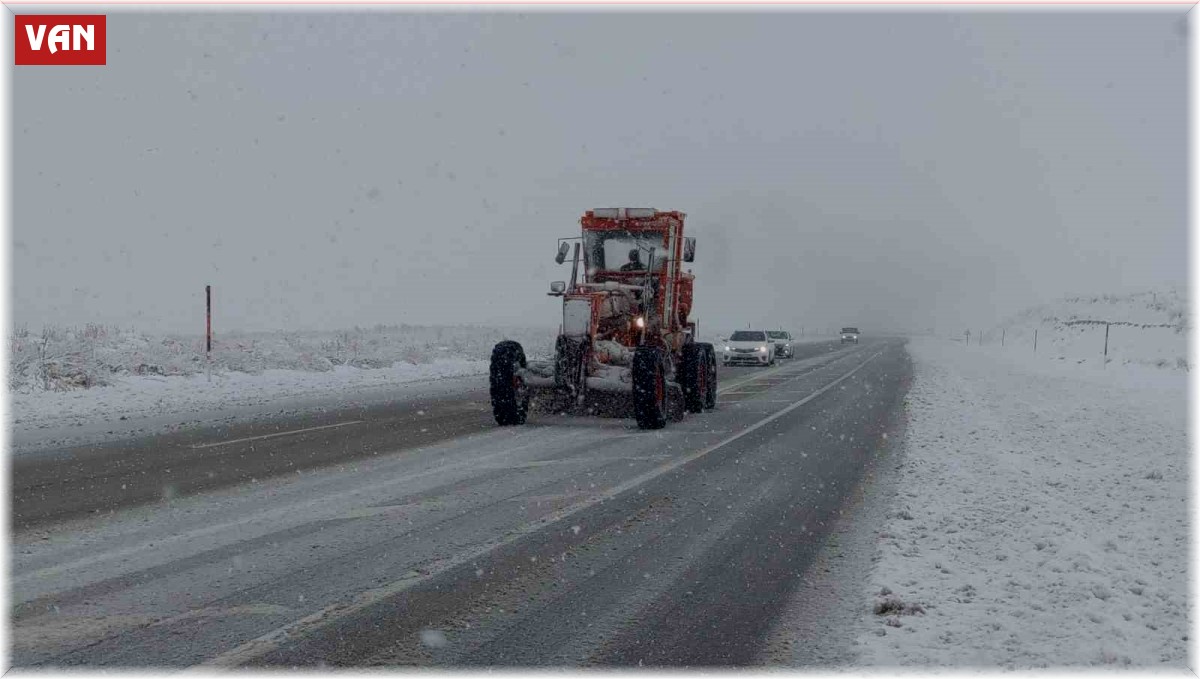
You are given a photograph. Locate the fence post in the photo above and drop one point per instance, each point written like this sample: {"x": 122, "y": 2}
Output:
{"x": 1106, "y": 327}
{"x": 1035, "y": 331}
{"x": 1003, "y": 332}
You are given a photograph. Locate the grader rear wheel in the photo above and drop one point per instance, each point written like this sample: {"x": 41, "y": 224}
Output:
{"x": 710, "y": 393}
{"x": 694, "y": 377}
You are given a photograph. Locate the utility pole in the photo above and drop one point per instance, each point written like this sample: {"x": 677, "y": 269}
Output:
{"x": 1035, "y": 332}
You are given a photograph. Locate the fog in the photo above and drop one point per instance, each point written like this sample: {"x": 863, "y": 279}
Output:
{"x": 893, "y": 171}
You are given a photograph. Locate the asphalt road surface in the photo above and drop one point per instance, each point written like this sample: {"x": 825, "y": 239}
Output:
{"x": 415, "y": 532}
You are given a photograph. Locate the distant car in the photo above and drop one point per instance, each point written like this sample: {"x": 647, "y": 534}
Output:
{"x": 849, "y": 335}
{"x": 783, "y": 343}
{"x": 749, "y": 347}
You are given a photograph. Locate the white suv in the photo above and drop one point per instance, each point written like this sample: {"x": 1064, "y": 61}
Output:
{"x": 749, "y": 347}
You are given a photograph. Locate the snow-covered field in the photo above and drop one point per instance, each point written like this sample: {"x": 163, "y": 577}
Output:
{"x": 1041, "y": 516}
{"x": 68, "y": 377}
{"x": 1149, "y": 328}
{"x": 61, "y": 359}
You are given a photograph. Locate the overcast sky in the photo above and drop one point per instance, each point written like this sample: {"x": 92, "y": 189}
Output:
{"x": 908, "y": 170}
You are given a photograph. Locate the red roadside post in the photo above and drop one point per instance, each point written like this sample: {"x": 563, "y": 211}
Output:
{"x": 208, "y": 330}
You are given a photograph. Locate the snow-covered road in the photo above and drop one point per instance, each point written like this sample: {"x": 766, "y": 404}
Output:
{"x": 571, "y": 540}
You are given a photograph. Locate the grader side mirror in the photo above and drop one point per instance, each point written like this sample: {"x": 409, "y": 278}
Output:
{"x": 562, "y": 253}
{"x": 689, "y": 249}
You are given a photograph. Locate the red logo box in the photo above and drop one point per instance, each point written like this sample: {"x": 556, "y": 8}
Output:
{"x": 60, "y": 40}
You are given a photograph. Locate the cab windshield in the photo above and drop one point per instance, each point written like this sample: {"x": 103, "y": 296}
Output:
{"x": 747, "y": 336}
{"x": 614, "y": 250}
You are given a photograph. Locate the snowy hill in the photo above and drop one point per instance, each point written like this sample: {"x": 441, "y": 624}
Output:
{"x": 1149, "y": 328}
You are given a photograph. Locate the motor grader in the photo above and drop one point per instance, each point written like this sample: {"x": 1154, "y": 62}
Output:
{"x": 626, "y": 343}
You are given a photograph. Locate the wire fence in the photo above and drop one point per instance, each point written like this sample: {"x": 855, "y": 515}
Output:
{"x": 1098, "y": 345}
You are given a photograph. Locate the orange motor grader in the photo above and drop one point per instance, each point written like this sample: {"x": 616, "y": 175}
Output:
{"x": 626, "y": 337}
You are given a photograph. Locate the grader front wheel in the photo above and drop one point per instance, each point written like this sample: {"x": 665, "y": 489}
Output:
{"x": 649, "y": 388}
{"x": 510, "y": 395}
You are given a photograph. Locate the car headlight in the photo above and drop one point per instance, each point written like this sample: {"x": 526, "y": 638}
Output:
{"x": 763, "y": 349}
{"x": 726, "y": 348}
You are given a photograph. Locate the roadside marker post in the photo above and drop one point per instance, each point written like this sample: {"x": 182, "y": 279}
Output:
{"x": 208, "y": 330}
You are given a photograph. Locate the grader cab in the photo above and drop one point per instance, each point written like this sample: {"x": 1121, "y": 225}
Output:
{"x": 627, "y": 341}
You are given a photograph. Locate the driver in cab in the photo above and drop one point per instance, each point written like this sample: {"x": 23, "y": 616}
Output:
{"x": 635, "y": 262}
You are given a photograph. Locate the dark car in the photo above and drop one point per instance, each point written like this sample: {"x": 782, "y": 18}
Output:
{"x": 783, "y": 342}
{"x": 849, "y": 335}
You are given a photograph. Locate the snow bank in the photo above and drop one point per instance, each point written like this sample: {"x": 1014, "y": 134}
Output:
{"x": 1145, "y": 329}
{"x": 1041, "y": 517}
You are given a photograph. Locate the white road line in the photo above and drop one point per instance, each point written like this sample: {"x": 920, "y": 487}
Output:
{"x": 752, "y": 378}
{"x": 784, "y": 373}
{"x": 271, "y": 436}
{"x": 256, "y": 648}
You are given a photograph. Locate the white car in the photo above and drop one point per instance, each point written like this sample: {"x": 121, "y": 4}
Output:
{"x": 749, "y": 347}
{"x": 783, "y": 343}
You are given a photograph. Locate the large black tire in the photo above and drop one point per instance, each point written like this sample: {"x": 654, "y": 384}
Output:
{"x": 649, "y": 388}
{"x": 510, "y": 395}
{"x": 693, "y": 376}
{"x": 710, "y": 393}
